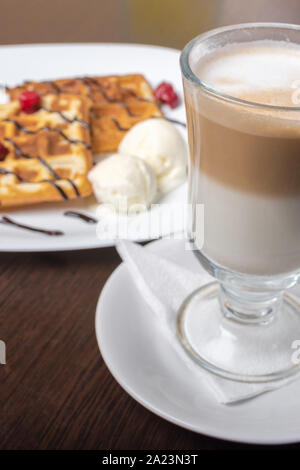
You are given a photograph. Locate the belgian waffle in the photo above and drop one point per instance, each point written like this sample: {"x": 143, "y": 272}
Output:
{"x": 49, "y": 152}
{"x": 118, "y": 102}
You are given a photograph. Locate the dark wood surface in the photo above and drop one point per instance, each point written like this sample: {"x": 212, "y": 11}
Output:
{"x": 55, "y": 390}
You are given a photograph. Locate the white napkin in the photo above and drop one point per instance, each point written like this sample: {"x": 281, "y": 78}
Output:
{"x": 164, "y": 285}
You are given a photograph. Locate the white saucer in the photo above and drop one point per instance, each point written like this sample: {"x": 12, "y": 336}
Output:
{"x": 147, "y": 367}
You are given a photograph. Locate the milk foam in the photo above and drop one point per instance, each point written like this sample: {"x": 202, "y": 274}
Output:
{"x": 268, "y": 70}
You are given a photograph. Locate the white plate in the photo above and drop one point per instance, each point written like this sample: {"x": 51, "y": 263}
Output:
{"x": 147, "y": 367}
{"x": 38, "y": 62}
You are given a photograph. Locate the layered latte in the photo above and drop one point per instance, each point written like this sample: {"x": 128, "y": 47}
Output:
{"x": 245, "y": 160}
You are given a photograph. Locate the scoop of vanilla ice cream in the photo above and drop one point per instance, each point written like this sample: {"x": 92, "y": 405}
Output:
{"x": 160, "y": 144}
{"x": 124, "y": 181}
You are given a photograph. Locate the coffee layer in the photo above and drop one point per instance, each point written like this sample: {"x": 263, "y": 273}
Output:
{"x": 248, "y": 162}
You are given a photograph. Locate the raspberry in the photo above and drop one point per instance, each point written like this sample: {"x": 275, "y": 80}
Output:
{"x": 3, "y": 152}
{"x": 165, "y": 94}
{"x": 30, "y": 101}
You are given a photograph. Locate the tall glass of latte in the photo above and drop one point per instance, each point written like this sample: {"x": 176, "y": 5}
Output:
{"x": 242, "y": 95}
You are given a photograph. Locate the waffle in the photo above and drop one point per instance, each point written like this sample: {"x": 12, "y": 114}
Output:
{"x": 118, "y": 102}
{"x": 49, "y": 153}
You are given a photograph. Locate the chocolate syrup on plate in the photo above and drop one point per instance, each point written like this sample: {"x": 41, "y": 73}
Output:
{"x": 174, "y": 121}
{"x": 8, "y": 221}
{"x": 79, "y": 215}
{"x": 85, "y": 218}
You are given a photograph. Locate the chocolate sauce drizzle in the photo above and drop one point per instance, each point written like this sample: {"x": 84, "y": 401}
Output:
{"x": 49, "y": 168}
{"x": 57, "y": 187}
{"x": 74, "y": 186}
{"x": 53, "y": 183}
{"x": 65, "y": 118}
{"x": 79, "y": 215}
{"x": 137, "y": 97}
{"x": 16, "y": 147}
{"x": 130, "y": 113}
{"x": 99, "y": 87}
{"x": 8, "y": 221}
{"x": 48, "y": 129}
{"x": 174, "y": 121}
{"x": 52, "y": 172}
{"x": 87, "y": 82}
{"x": 101, "y": 90}
{"x": 54, "y": 86}
{"x": 11, "y": 172}
{"x": 118, "y": 125}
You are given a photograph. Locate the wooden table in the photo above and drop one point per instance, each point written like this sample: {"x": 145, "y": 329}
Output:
{"x": 56, "y": 392}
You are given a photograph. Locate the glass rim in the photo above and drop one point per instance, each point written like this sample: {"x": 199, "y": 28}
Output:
{"x": 189, "y": 74}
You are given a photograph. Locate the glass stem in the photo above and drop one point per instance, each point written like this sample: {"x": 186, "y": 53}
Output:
{"x": 249, "y": 306}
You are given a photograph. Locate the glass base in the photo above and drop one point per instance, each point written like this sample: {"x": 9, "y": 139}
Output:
{"x": 252, "y": 352}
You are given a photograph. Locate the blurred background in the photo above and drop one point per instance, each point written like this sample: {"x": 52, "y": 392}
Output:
{"x": 165, "y": 22}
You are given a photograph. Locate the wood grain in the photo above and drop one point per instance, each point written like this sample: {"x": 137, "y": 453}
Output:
{"x": 56, "y": 392}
